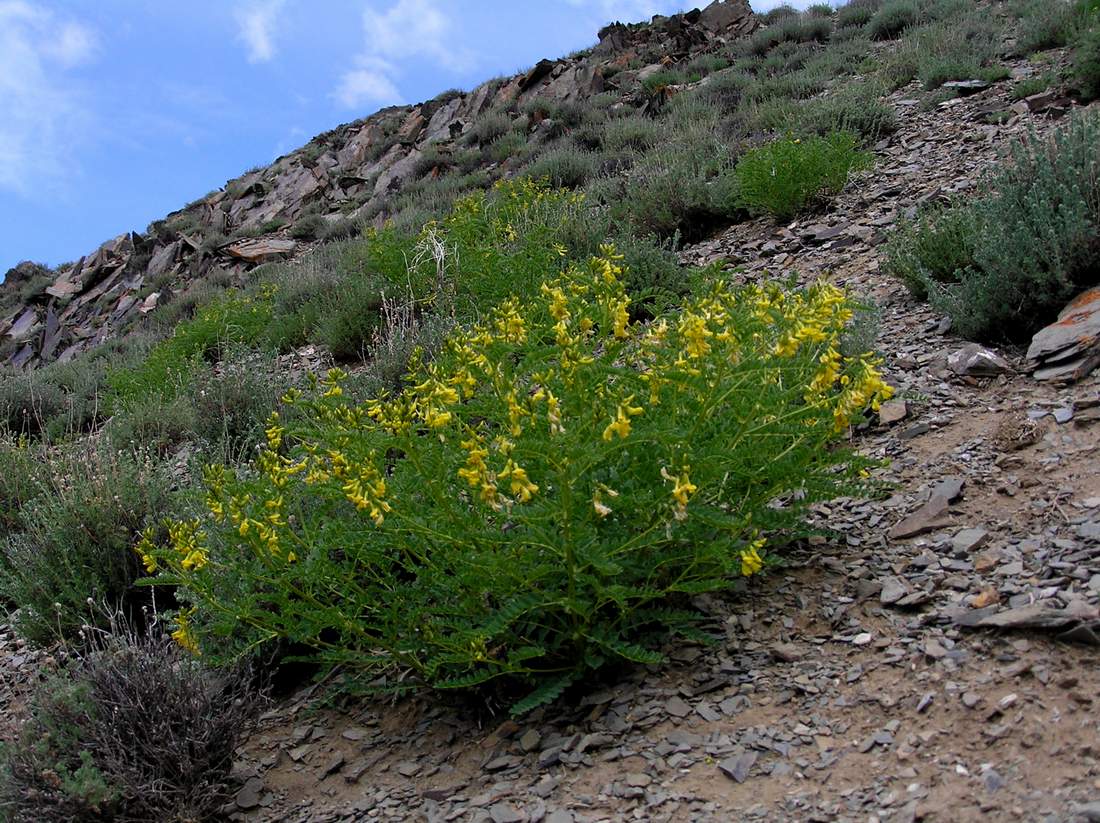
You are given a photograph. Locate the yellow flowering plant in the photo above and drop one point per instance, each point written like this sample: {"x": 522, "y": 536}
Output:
{"x": 543, "y": 497}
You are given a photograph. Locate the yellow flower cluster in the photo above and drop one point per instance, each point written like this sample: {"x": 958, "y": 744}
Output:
{"x": 187, "y": 538}
{"x": 184, "y": 635}
{"x": 682, "y": 490}
{"x": 751, "y": 561}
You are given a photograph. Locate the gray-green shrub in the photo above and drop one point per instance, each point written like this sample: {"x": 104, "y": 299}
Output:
{"x": 1036, "y": 242}
{"x": 74, "y": 562}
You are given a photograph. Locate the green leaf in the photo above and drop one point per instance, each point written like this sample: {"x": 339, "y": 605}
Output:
{"x": 549, "y": 691}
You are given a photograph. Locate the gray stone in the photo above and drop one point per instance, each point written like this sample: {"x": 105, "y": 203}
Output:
{"x": 738, "y": 767}
{"x": 1069, "y": 348}
{"x": 969, "y": 540}
{"x": 973, "y": 360}
{"x": 893, "y": 590}
{"x": 506, "y": 813}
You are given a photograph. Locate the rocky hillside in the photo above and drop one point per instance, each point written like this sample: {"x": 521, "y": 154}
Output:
{"x": 745, "y": 471}
{"x": 340, "y": 181}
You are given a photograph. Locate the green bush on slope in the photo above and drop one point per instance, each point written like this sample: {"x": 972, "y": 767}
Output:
{"x": 1021, "y": 250}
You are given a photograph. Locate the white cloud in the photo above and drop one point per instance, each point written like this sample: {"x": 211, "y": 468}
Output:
{"x": 368, "y": 83}
{"x": 409, "y": 30}
{"x": 629, "y": 11}
{"x": 42, "y": 111}
{"x": 257, "y": 23}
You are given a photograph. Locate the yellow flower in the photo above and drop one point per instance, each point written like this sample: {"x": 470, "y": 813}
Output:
{"x": 521, "y": 485}
{"x": 183, "y": 634}
{"x": 682, "y": 490}
{"x": 620, "y": 424}
{"x": 751, "y": 561}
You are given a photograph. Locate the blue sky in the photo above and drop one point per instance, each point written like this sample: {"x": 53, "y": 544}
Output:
{"x": 115, "y": 112}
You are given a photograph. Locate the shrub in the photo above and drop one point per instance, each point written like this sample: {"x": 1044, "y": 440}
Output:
{"x": 790, "y": 28}
{"x": 857, "y": 107}
{"x": 20, "y": 466}
{"x": 1086, "y": 65}
{"x": 669, "y": 192}
{"x": 233, "y": 401}
{"x": 167, "y": 371}
{"x": 894, "y": 17}
{"x": 347, "y": 319}
{"x": 563, "y": 167}
{"x": 489, "y": 127}
{"x": 638, "y": 133}
{"x": 492, "y": 244}
{"x": 934, "y": 247}
{"x": 855, "y": 15}
{"x": 133, "y": 731}
{"x": 76, "y": 556}
{"x": 956, "y": 50}
{"x": 1044, "y": 25}
{"x": 1035, "y": 242}
{"x": 787, "y": 176}
{"x": 308, "y": 227}
{"x": 507, "y": 146}
{"x": 157, "y": 424}
{"x": 544, "y": 498}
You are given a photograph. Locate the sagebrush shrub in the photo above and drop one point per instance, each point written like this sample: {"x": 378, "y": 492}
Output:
{"x": 1044, "y": 24}
{"x": 789, "y": 175}
{"x": 166, "y": 372}
{"x": 564, "y": 166}
{"x": 855, "y": 14}
{"x": 73, "y": 561}
{"x": 934, "y": 247}
{"x": 1086, "y": 65}
{"x": 957, "y": 49}
{"x": 136, "y": 730}
{"x": 20, "y": 466}
{"x": 894, "y": 17}
{"x": 1034, "y": 235}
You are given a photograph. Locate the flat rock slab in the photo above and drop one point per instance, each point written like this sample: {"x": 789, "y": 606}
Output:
{"x": 260, "y": 250}
{"x": 1068, "y": 349}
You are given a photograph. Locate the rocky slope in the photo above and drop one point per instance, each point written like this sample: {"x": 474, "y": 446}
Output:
{"x": 344, "y": 177}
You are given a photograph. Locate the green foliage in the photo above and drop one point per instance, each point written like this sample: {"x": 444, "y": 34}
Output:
{"x": 1086, "y": 65}
{"x": 563, "y": 166}
{"x": 542, "y": 499}
{"x": 1044, "y": 25}
{"x": 308, "y": 227}
{"x": 19, "y": 480}
{"x": 492, "y": 244}
{"x": 1033, "y": 236}
{"x": 489, "y": 127}
{"x": 233, "y": 402}
{"x": 507, "y": 146}
{"x": 636, "y": 132}
{"x": 855, "y": 15}
{"x": 1033, "y": 85}
{"x": 934, "y": 247}
{"x": 960, "y": 49}
{"x": 669, "y": 194}
{"x": 167, "y": 370}
{"x": 74, "y": 557}
{"x": 788, "y": 176}
{"x": 348, "y": 320}
{"x": 894, "y": 17}
{"x": 133, "y": 731}
{"x": 796, "y": 28}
